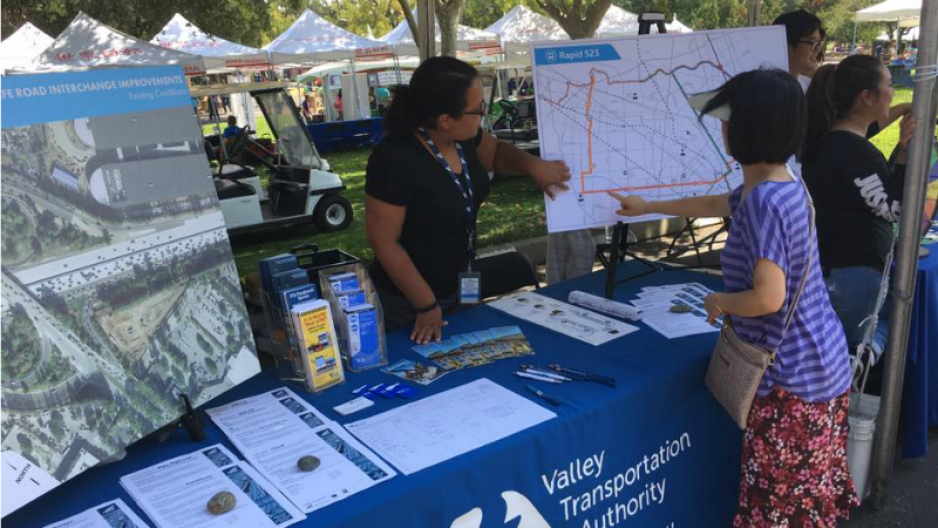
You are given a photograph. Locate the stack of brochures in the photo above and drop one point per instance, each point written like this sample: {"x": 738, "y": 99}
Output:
{"x": 317, "y": 344}
{"x": 477, "y": 348}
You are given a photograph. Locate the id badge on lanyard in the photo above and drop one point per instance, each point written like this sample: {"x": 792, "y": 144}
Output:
{"x": 470, "y": 282}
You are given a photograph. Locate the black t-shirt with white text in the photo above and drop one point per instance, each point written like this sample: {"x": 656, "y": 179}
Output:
{"x": 857, "y": 195}
{"x": 402, "y": 172}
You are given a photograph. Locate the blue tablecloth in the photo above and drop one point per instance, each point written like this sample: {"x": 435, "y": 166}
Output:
{"x": 342, "y": 134}
{"x": 920, "y": 390}
{"x": 669, "y": 453}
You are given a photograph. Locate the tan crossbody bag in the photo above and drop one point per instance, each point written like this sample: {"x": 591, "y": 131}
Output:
{"x": 737, "y": 366}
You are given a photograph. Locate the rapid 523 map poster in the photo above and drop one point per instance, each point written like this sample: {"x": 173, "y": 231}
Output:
{"x": 119, "y": 289}
{"x": 616, "y": 111}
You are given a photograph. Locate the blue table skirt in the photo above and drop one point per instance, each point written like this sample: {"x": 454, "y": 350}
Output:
{"x": 339, "y": 134}
{"x": 920, "y": 390}
{"x": 659, "y": 429}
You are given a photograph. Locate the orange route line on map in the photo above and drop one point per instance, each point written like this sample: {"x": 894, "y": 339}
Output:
{"x": 589, "y": 133}
{"x": 589, "y": 137}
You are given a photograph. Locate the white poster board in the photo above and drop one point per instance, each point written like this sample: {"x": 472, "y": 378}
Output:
{"x": 615, "y": 110}
{"x": 242, "y": 104}
{"x": 119, "y": 287}
{"x": 355, "y": 97}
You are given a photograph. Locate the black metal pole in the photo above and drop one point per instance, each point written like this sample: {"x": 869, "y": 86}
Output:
{"x": 613, "y": 260}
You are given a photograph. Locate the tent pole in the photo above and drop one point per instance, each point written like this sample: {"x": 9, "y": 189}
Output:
{"x": 853, "y": 48}
{"x": 426, "y": 29}
{"x": 397, "y": 64}
{"x": 904, "y": 274}
{"x": 355, "y": 89}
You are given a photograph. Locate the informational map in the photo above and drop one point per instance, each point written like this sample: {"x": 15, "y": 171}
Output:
{"x": 119, "y": 290}
{"x": 616, "y": 111}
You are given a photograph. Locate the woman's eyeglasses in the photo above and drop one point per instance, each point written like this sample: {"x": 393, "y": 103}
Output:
{"x": 815, "y": 44}
{"x": 479, "y": 112}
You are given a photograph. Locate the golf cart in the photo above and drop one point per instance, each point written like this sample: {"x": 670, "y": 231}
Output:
{"x": 299, "y": 187}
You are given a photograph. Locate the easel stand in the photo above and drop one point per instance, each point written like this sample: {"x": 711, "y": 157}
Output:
{"x": 620, "y": 236}
{"x": 190, "y": 421}
{"x": 696, "y": 244}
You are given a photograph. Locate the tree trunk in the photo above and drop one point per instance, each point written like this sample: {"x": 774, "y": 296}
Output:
{"x": 754, "y": 7}
{"x": 411, "y": 21}
{"x": 577, "y": 22}
{"x": 447, "y": 16}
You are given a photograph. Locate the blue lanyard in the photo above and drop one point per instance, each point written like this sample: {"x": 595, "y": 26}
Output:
{"x": 465, "y": 191}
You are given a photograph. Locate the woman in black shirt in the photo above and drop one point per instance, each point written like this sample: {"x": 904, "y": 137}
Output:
{"x": 856, "y": 191}
{"x": 420, "y": 208}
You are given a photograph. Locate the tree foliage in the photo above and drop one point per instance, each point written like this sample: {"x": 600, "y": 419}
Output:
{"x": 579, "y": 18}
{"x": 257, "y": 22}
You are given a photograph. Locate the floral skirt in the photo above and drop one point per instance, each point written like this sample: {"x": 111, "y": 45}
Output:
{"x": 794, "y": 466}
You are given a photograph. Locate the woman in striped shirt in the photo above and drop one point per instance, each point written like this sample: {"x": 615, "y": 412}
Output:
{"x": 794, "y": 466}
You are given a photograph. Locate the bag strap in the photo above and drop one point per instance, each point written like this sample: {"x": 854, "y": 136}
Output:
{"x": 807, "y": 271}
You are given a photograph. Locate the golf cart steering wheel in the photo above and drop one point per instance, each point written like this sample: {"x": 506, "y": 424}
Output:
{"x": 237, "y": 145}
{"x": 508, "y": 107}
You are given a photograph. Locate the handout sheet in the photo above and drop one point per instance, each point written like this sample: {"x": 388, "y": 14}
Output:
{"x": 275, "y": 429}
{"x": 445, "y": 425}
{"x": 175, "y": 493}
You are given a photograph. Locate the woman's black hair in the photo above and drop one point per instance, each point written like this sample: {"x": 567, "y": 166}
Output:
{"x": 767, "y": 116}
{"x": 835, "y": 88}
{"x": 438, "y": 86}
{"x": 799, "y": 25}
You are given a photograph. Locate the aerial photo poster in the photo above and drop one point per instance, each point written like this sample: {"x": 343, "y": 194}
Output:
{"x": 119, "y": 288}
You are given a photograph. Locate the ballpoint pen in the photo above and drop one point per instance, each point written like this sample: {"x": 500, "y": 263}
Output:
{"x": 545, "y": 397}
{"x": 537, "y": 377}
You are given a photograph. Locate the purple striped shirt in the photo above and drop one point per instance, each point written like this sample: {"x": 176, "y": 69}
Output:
{"x": 772, "y": 223}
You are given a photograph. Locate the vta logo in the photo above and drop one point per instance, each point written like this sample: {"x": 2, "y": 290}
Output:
{"x": 516, "y": 506}
{"x": 551, "y": 56}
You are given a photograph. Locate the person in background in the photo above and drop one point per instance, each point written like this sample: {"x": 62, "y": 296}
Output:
{"x": 806, "y": 39}
{"x": 382, "y": 95}
{"x": 337, "y": 105}
{"x": 856, "y": 190}
{"x": 794, "y": 466}
{"x": 805, "y": 35}
{"x": 307, "y": 108}
{"x": 232, "y": 130}
{"x": 213, "y": 108}
{"x": 425, "y": 183}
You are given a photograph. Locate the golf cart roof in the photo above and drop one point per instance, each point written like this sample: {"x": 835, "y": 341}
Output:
{"x": 234, "y": 88}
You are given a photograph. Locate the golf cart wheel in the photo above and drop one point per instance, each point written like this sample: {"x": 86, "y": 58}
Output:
{"x": 333, "y": 212}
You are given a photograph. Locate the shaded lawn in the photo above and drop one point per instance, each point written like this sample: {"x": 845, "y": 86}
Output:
{"x": 514, "y": 211}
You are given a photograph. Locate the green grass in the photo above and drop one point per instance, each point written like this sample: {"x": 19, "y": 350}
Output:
{"x": 887, "y": 140}
{"x": 513, "y": 212}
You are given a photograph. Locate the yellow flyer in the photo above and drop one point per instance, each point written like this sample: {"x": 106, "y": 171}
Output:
{"x": 316, "y": 333}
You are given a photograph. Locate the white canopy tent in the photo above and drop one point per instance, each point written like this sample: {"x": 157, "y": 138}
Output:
{"x": 467, "y": 39}
{"x": 87, "y": 43}
{"x": 617, "y": 22}
{"x": 313, "y": 38}
{"x": 22, "y": 47}
{"x": 181, "y": 35}
{"x": 676, "y": 26}
{"x": 521, "y": 26}
{"x": 904, "y": 12}
{"x": 340, "y": 67}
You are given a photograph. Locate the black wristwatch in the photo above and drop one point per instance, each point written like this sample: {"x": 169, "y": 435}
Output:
{"x": 429, "y": 308}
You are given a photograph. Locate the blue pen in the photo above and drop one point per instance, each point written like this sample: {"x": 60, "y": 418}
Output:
{"x": 540, "y": 394}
